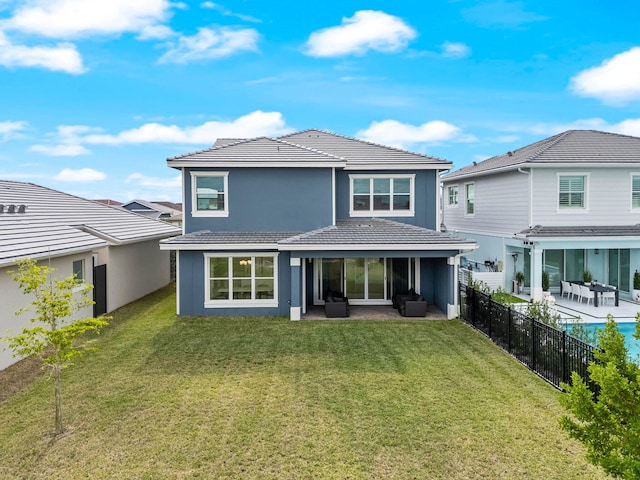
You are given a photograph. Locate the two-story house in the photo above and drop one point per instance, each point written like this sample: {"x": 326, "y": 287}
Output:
{"x": 271, "y": 224}
{"x": 563, "y": 205}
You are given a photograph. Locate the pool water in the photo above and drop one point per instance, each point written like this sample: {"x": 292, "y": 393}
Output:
{"x": 627, "y": 329}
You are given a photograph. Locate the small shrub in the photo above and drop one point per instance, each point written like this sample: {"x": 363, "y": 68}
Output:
{"x": 636, "y": 280}
{"x": 586, "y": 276}
{"x": 545, "y": 281}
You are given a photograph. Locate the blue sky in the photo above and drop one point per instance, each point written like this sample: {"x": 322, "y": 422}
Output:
{"x": 97, "y": 94}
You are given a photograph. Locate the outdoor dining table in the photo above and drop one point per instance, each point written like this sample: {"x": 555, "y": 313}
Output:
{"x": 598, "y": 289}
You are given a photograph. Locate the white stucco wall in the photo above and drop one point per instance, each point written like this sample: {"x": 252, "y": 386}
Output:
{"x": 134, "y": 271}
{"x": 12, "y": 299}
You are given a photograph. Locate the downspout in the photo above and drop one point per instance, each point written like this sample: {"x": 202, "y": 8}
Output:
{"x": 333, "y": 195}
{"x": 184, "y": 187}
{"x": 529, "y": 173}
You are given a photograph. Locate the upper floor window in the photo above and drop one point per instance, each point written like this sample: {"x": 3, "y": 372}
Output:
{"x": 453, "y": 195}
{"x": 209, "y": 194}
{"x": 571, "y": 191}
{"x": 470, "y": 198}
{"x": 241, "y": 279}
{"x": 635, "y": 191}
{"x": 382, "y": 195}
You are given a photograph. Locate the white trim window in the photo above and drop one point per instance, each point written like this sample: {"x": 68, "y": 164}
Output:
{"x": 381, "y": 195}
{"x": 572, "y": 191}
{"x": 635, "y": 191}
{"x": 470, "y": 198}
{"x": 247, "y": 279}
{"x": 78, "y": 270}
{"x": 210, "y": 194}
{"x": 452, "y": 193}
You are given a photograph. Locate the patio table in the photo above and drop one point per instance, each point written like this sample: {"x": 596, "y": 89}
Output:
{"x": 599, "y": 289}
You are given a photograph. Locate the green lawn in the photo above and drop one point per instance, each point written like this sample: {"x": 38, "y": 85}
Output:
{"x": 232, "y": 398}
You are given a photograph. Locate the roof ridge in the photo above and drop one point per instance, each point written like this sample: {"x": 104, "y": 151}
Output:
{"x": 310, "y": 232}
{"x": 315, "y": 150}
{"x": 219, "y": 147}
{"x": 548, "y": 143}
{"x": 367, "y": 142}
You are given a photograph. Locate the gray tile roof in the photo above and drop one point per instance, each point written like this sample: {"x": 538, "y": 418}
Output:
{"x": 386, "y": 234}
{"x": 55, "y": 223}
{"x": 206, "y": 237}
{"x": 540, "y": 231}
{"x": 357, "y": 151}
{"x": 261, "y": 150}
{"x": 309, "y": 147}
{"x": 573, "y": 147}
{"x": 374, "y": 231}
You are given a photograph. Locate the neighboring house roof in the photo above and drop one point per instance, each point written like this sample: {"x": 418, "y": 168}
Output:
{"x": 54, "y": 223}
{"x": 573, "y": 147}
{"x": 308, "y": 148}
{"x": 361, "y": 234}
{"x": 565, "y": 232}
{"x": 107, "y": 201}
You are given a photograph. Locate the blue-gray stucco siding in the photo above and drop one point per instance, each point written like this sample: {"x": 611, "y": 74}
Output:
{"x": 192, "y": 288}
{"x": 268, "y": 200}
{"x": 425, "y": 191}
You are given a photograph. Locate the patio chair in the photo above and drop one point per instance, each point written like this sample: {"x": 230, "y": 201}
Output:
{"x": 576, "y": 291}
{"x": 587, "y": 293}
{"x": 412, "y": 305}
{"x": 566, "y": 289}
{"x": 610, "y": 295}
{"x": 336, "y": 305}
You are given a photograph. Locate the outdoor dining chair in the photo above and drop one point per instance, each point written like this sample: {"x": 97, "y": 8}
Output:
{"x": 587, "y": 293}
{"x": 576, "y": 291}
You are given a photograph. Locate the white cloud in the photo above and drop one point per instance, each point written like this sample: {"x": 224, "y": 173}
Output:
{"x": 63, "y": 57}
{"x": 394, "y": 133}
{"x": 145, "y": 181}
{"x": 615, "y": 81}
{"x": 82, "y": 18}
{"x": 10, "y": 130}
{"x": 211, "y": 43}
{"x": 156, "y": 32}
{"x": 82, "y": 175}
{"x": 630, "y": 126}
{"x": 229, "y": 13}
{"x": 366, "y": 30}
{"x": 60, "y": 150}
{"x": 455, "y": 50}
{"x": 254, "y": 124}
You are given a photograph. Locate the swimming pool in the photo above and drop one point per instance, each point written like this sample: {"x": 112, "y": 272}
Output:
{"x": 627, "y": 329}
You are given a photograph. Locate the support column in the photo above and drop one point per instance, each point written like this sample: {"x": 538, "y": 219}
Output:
{"x": 295, "y": 309}
{"x": 536, "y": 273}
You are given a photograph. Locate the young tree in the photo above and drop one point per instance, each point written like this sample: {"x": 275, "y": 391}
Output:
{"x": 608, "y": 422}
{"x": 53, "y": 334}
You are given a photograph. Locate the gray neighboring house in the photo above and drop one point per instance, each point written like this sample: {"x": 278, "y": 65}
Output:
{"x": 166, "y": 211}
{"x": 108, "y": 247}
{"x": 565, "y": 204}
{"x": 272, "y": 225}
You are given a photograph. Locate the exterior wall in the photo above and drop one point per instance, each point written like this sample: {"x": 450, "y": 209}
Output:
{"x": 192, "y": 288}
{"x": 436, "y": 281}
{"x": 12, "y": 299}
{"x": 268, "y": 200}
{"x": 134, "y": 271}
{"x": 501, "y": 204}
{"x": 425, "y": 191}
{"x": 608, "y": 198}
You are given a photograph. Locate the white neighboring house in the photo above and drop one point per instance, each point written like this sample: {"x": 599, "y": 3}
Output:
{"x": 114, "y": 250}
{"x": 565, "y": 204}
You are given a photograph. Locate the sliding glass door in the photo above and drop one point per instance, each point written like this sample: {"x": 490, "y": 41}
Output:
{"x": 364, "y": 280}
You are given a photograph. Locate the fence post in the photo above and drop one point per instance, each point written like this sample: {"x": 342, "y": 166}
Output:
{"x": 564, "y": 357}
{"x": 533, "y": 344}
{"x": 473, "y": 306}
{"x": 490, "y": 315}
{"x": 509, "y": 320}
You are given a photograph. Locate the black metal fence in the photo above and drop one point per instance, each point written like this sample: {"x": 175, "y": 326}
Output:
{"x": 548, "y": 351}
